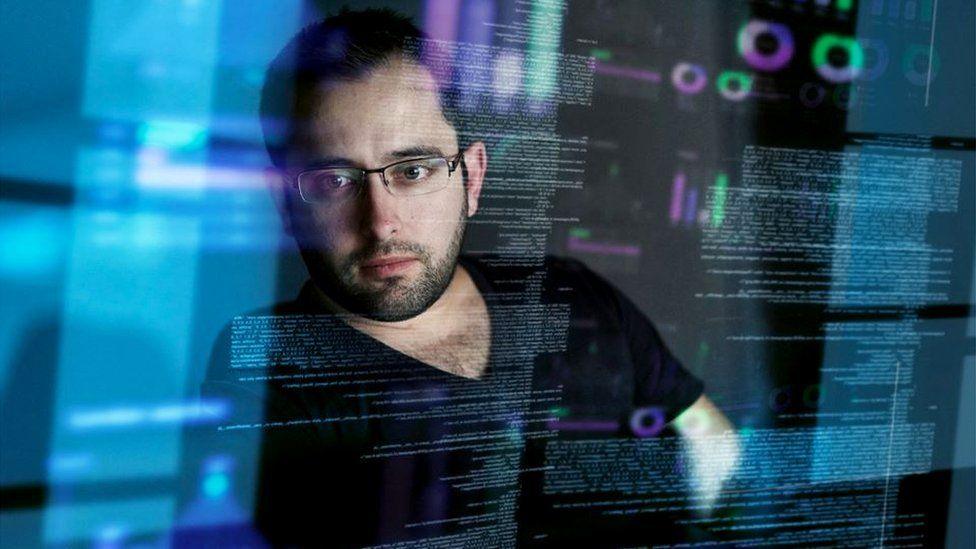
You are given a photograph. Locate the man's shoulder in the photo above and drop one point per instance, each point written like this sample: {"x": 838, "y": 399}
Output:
{"x": 265, "y": 329}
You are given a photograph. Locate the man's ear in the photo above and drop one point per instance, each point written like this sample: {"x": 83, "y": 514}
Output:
{"x": 476, "y": 163}
{"x": 278, "y": 186}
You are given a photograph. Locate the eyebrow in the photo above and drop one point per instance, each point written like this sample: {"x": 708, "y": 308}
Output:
{"x": 415, "y": 152}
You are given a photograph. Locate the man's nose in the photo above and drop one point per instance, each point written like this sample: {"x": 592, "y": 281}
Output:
{"x": 380, "y": 214}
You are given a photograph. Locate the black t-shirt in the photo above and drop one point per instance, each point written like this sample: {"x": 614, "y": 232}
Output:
{"x": 331, "y": 437}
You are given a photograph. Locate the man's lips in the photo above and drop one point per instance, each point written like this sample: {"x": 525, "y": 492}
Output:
{"x": 383, "y": 267}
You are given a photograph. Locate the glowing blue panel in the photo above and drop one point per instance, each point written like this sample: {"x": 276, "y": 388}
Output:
{"x": 107, "y": 524}
{"x": 151, "y": 59}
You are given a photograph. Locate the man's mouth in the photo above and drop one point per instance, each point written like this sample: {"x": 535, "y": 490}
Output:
{"x": 386, "y": 266}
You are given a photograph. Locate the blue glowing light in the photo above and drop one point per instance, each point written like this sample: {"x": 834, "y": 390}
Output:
{"x": 172, "y": 135}
{"x": 33, "y": 245}
{"x": 215, "y": 485}
{"x": 124, "y": 416}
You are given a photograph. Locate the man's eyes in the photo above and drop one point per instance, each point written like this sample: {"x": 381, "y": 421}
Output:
{"x": 339, "y": 181}
{"x": 334, "y": 180}
{"x": 414, "y": 171}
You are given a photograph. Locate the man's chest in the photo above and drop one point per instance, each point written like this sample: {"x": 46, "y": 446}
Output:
{"x": 462, "y": 349}
{"x": 592, "y": 381}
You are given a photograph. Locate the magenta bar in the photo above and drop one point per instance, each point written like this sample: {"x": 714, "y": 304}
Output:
{"x": 677, "y": 193}
{"x": 576, "y": 245}
{"x": 441, "y": 24}
{"x": 477, "y": 22}
{"x": 690, "y": 204}
{"x": 628, "y": 72}
{"x": 441, "y": 19}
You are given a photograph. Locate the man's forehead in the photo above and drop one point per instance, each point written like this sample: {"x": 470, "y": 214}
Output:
{"x": 397, "y": 73}
{"x": 395, "y": 105}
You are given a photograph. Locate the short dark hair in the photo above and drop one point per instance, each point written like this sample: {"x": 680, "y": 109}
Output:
{"x": 346, "y": 46}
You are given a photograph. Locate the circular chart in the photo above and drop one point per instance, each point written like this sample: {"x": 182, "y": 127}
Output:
{"x": 688, "y": 78}
{"x": 837, "y": 58}
{"x": 765, "y": 45}
{"x": 734, "y": 85}
{"x": 647, "y": 421}
{"x": 812, "y": 94}
{"x": 915, "y": 64}
{"x": 876, "y": 58}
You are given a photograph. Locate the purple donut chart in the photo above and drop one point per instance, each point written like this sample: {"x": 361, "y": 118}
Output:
{"x": 765, "y": 46}
{"x": 689, "y": 78}
{"x": 647, "y": 422}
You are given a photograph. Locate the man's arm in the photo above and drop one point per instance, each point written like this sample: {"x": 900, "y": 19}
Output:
{"x": 712, "y": 447}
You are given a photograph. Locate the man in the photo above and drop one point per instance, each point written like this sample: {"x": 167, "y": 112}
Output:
{"x": 411, "y": 394}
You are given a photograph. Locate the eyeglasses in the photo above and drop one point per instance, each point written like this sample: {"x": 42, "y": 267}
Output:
{"x": 412, "y": 177}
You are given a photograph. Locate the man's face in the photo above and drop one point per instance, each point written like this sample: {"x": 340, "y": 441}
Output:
{"x": 378, "y": 255}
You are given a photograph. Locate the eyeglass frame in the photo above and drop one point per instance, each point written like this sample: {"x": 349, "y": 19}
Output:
{"x": 452, "y": 165}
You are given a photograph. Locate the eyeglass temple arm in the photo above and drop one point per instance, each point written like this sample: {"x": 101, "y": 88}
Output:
{"x": 457, "y": 161}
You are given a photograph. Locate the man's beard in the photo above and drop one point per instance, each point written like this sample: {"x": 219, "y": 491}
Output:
{"x": 397, "y": 298}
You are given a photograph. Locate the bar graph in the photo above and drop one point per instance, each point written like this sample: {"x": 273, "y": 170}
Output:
{"x": 683, "y": 207}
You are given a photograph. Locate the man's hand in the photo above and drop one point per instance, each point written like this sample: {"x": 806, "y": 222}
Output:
{"x": 711, "y": 447}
